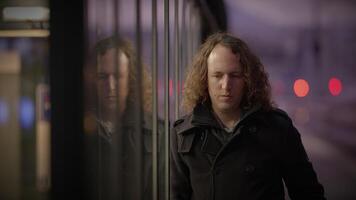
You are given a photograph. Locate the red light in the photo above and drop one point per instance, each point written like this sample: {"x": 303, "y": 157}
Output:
{"x": 301, "y": 88}
{"x": 335, "y": 86}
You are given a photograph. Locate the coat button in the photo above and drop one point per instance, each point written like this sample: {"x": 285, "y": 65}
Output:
{"x": 249, "y": 168}
{"x": 252, "y": 129}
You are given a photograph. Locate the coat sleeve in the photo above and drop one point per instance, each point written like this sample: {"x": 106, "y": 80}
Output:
{"x": 180, "y": 183}
{"x": 297, "y": 171}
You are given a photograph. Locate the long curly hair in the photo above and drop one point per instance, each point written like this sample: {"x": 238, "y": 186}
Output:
{"x": 146, "y": 87}
{"x": 257, "y": 86}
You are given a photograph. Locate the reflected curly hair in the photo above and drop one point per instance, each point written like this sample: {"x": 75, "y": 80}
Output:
{"x": 146, "y": 87}
{"x": 257, "y": 86}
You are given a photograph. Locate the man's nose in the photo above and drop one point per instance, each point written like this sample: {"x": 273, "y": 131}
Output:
{"x": 112, "y": 82}
{"x": 226, "y": 83}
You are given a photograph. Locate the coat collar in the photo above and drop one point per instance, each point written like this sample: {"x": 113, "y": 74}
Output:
{"x": 107, "y": 128}
{"x": 202, "y": 116}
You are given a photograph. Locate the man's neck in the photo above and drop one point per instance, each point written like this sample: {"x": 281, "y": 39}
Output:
{"x": 110, "y": 115}
{"x": 228, "y": 119}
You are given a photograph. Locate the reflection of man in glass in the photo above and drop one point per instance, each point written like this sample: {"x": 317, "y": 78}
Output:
{"x": 124, "y": 149}
{"x": 117, "y": 80}
{"x": 112, "y": 79}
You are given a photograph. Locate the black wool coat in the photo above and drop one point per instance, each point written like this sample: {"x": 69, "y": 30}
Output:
{"x": 265, "y": 150}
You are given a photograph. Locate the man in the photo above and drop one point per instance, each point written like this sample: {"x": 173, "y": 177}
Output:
{"x": 234, "y": 144}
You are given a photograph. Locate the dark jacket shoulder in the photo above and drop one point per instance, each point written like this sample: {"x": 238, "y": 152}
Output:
{"x": 278, "y": 117}
{"x": 183, "y": 124}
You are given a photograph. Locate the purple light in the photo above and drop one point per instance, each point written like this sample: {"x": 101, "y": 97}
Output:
{"x": 4, "y": 112}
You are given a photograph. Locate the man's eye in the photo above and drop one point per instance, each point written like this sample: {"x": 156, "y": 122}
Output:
{"x": 236, "y": 75}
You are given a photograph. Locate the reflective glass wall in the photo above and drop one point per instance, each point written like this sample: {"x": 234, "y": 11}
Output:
{"x": 136, "y": 54}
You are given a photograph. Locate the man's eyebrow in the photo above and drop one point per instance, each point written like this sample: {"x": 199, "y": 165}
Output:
{"x": 102, "y": 73}
{"x": 217, "y": 73}
{"x": 233, "y": 72}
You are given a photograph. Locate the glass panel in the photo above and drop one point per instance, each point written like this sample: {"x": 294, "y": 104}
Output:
{"x": 130, "y": 88}
{"x": 118, "y": 118}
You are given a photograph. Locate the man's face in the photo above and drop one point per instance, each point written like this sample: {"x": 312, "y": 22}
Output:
{"x": 225, "y": 81}
{"x": 113, "y": 81}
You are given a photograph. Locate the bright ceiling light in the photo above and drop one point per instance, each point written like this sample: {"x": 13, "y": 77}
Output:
{"x": 25, "y": 13}
{"x": 24, "y": 33}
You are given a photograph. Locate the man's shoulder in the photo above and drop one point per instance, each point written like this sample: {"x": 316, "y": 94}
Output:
{"x": 183, "y": 124}
{"x": 277, "y": 112}
{"x": 277, "y": 116}
{"x": 178, "y": 122}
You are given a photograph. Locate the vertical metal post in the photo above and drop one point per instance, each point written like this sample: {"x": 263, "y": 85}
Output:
{"x": 166, "y": 95}
{"x": 184, "y": 36}
{"x": 190, "y": 32}
{"x": 154, "y": 104}
{"x": 196, "y": 30}
{"x": 99, "y": 168}
{"x": 67, "y": 134}
{"x": 139, "y": 111}
{"x": 116, "y": 180}
{"x": 176, "y": 59}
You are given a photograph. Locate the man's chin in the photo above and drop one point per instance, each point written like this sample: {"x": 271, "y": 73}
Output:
{"x": 109, "y": 107}
{"x": 226, "y": 108}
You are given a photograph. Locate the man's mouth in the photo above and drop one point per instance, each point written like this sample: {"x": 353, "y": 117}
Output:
{"x": 111, "y": 97}
{"x": 225, "y": 97}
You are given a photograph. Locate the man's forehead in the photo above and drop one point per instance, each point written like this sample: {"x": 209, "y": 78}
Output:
{"x": 220, "y": 50}
{"x": 110, "y": 53}
{"x": 106, "y": 62}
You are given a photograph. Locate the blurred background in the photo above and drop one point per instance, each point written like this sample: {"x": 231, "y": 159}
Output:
{"x": 49, "y": 93}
